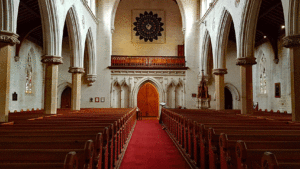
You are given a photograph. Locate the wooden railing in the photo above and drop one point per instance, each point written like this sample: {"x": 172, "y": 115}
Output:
{"x": 147, "y": 61}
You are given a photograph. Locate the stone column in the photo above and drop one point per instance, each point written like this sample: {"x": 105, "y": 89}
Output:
{"x": 246, "y": 83}
{"x": 293, "y": 43}
{"x": 76, "y": 87}
{"x": 219, "y": 86}
{"x": 7, "y": 46}
{"x": 51, "y": 80}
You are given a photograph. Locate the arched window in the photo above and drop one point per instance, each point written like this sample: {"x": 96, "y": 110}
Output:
{"x": 263, "y": 75}
{"x": 28, "y": 71}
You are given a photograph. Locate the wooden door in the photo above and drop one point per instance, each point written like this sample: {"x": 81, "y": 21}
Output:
{"x": 148, "y": 100}
{"x": 66, "y": 98}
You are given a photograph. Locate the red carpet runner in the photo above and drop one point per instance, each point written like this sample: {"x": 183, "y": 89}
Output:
{"x": 151, "y": 148}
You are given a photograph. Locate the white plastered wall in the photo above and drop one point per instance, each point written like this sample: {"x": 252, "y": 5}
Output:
{"x": 18, "y": 79}
{"x": 121, "y": 39}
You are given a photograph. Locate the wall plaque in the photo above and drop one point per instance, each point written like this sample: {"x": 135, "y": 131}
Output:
{"x": 277, "y": 90}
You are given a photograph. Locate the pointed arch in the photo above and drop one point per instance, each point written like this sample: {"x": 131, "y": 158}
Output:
{"x": 72, "y": 22}
{"x": 116, "y": 4}
{"x": 140, "y": 83}
{"x": 60, "y": 89}
{"x": 51, "y": 44}
{"x": 206, "y": 46}
{"x": 89, "y": 42}
{"x": 235, "y": 94}
{"x": 248, "y": 30}
{"x": 222, "y": 39}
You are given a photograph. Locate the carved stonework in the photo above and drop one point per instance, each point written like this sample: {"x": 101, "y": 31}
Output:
{"x": 17, "y": 58}
{"x": 9, "y": 37}
{"x": 246, "y": 61}
{"x": 276, "y": 61}
{"x": 237, "y": 2}
{"x": 291, "y": 41}
{"x": 219, "y": 71}
{"x": 52, "y": 59}
{"x": 91, "y": 79}
{"x": 160, "y": 79}
{"x": 76, "y": 70}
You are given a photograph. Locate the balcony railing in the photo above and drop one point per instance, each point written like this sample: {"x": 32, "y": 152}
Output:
{"x": 152, "y": 62}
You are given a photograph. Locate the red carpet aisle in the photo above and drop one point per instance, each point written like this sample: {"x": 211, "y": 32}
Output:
{"x": 151, "y": 148}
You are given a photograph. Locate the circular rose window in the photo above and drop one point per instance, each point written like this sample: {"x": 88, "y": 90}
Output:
{"x": 148, "y": 26}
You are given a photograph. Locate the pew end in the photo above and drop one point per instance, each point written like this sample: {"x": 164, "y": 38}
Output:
{"x": 71, "y": 161}
{"x": 269, "y": 161}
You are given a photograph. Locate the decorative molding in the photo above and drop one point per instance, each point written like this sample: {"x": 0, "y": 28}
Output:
{"x": 9, "y": 37}
{"x": 91, "y": 79}
{"x": 90, "y": 11}
{"x": 219, "y": 71}
{"x": 208, "y": 11}
{"x": 246, "y": 61}
{"x": 52, "y": 59}
{"x": 237, "y": 2}
{"x": 160, "y": 79}
{"x": 76, "y": 70}
{"x": 149, "y": 72}
{"x": 276, "y": 61}
{"x": 291, "y": 41}
{"x": 17, "y": 58}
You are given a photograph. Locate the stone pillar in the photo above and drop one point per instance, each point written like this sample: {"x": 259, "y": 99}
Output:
{"x": 219, "y": 86}
{"x": 293, "y": 43}
{"x": 7, "y": 46}
{"x": 51, "y": 80}
{"x": 246, "y": 83}
{"x": 76, "y": 87}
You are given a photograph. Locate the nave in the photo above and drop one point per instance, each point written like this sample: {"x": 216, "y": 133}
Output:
{"x": 114, "y": 138}
{"x": 150, "y": 147}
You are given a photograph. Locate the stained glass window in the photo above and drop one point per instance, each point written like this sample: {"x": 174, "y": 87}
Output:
{"x": 28, "y": 71}
{"x": 263, "y": 75}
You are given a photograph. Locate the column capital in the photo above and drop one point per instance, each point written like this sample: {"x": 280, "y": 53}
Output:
{"x": 9, "y": 37}
{"x": 246, "y": 61}
{"x": 91, "y": 79}
{"x": 291, "y": 41}
{"x": 219, "y": 71}
{"x": 76, "y": 70}
{"x": 52, "y": 59}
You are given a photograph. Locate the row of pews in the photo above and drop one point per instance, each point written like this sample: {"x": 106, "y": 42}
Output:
{"x": 228, "y": 140}
{"x": 85, "y": 139}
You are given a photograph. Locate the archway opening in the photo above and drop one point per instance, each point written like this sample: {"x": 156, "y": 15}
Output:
{"x": 228, "y": 99}
{"x": 148, "y": 100}
{"x": 66, "y": 98}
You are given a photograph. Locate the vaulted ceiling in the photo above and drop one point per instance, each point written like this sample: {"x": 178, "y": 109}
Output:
{"x": 270, "y": 20}
{"x": 29, "y": 21}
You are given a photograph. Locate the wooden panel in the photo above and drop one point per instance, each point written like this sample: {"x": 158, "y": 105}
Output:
{"x": 148, "y": 100}
{"x": 180, "y": 50}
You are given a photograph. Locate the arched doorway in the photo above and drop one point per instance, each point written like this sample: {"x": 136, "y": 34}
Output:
{"x": 228, "y": 99}
{"x": 148, "y": 100}
{"x": 66, "y": 98}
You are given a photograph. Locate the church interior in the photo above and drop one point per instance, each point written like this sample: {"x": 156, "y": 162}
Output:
{"x": 202, "y": 84}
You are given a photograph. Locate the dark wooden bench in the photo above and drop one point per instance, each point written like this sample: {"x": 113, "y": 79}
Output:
{"x": 251, "y": 158}
{"x": 273, "y": 161}
{"x": 21, "y": 156}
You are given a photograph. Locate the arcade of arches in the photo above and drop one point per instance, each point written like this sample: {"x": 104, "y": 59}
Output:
{"x": 103, "y": 55}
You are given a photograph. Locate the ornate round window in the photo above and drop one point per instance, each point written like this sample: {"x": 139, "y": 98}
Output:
{"x": 148, "y": 26}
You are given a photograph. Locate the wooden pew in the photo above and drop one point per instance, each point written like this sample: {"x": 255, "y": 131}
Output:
{"x": 251, "y": 158}
{"x": 39, "y": 156}
{"x": 271, "y": 161}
